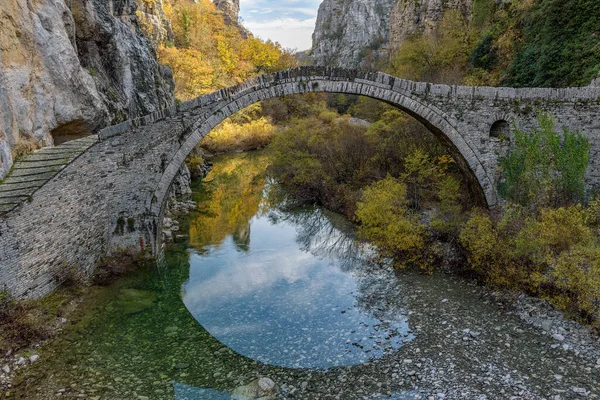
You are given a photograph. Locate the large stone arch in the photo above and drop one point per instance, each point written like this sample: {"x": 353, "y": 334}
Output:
{"x": 215, "y": 108}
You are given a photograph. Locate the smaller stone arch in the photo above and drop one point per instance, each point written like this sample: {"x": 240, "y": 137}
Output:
{"x": 500, "y": 129}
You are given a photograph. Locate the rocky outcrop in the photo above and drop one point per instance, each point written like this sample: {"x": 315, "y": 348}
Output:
{"x": 231, "y": 9}
{"x": 357, "y": 33}
{"x": 154, "y": 22}
{"x": 411, "y": 16}
{"x": 231, "y": 13}
{"x": 351, "y": 33}
{"x": 69, "y": 67}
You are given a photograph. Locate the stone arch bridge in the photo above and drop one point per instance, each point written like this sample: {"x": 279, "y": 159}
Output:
{"x": 66, "y": 207}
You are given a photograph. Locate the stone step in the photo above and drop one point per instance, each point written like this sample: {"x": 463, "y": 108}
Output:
{"x": 32, "y": 185}
{"x": 60, "y": 150}
{"x": 13, "y": 200}
{"x": 6, "y": 207}
{"x": 48, "y": 157}
{"x": 29, "y": 178}
{"x": 33, "y": 171}
{"x": 72, "y": 146}
{"x": 39, "y": 163}
{"x": 16, "y": 193}
{"x": 87, "y": 139}
{"x": 76, "y": 144}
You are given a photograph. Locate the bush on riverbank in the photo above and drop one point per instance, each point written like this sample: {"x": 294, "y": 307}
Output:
{"x": 232, "y": 137}
{"x": 545, "y": 168}
{"x": 386, "y": 221}
{"x": 330, "y": 159}
{"x": 554, "y": 254}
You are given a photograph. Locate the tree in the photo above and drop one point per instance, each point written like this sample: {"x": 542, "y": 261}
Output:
{"x": 545, "y": 168}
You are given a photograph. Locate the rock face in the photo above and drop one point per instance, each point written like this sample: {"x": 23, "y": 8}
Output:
{"x": 351, "y": 33}
{"x": 412, "y": 16}
{"x": 69, "y": 67}
{"x": 231, "y": 13}
{"x": 154, "y": 22}
{"x": 231, "y": 9}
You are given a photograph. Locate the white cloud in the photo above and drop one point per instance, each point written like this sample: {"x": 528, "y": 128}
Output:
{"x": 290, "y": 32}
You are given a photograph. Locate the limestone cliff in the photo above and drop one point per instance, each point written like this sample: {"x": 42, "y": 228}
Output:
{"x": 231, "y": 9}
{"x": 412, "y": 16}
{"x": 351, "y": 33}
{"x": 231, "y": 13}
{"x": 68, "y": 67}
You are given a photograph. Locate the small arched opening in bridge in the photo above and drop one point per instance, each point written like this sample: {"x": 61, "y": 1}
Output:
{"x": 213, "y": 109}
{"x": 500, "y": 130}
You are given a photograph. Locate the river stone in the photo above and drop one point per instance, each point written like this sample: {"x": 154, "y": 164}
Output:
{"x": 547, "y": 325}
{"x": 263, "y": 389}
{"x": 266, "y": 385}
{"x": 558, "y": 336}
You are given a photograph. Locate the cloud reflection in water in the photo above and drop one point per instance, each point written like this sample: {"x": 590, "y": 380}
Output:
{"x": 301, "y": 296}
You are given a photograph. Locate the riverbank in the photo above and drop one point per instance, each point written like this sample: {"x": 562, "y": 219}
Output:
{"x": 29, "y": 325}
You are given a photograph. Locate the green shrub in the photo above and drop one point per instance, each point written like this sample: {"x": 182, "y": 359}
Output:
{"x": 386, "y": 221}
{"x": 545, "y": 168}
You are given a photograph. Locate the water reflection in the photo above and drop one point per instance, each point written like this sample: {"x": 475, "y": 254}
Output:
{"x": 292, "y": 289}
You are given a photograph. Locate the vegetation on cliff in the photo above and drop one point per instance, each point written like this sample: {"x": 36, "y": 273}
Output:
{"x": 207, "y": 53}
{"x": 550, "y": 43}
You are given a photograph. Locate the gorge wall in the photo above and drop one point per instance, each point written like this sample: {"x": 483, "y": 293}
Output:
{"x": 69, "y": 67}
{"x": 348, "y": 32}
{"x": 409, "y": 17}
{"x": 357, "y": 33}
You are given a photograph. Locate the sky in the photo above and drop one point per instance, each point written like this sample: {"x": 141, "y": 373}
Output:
{"x": 289, "y": 22}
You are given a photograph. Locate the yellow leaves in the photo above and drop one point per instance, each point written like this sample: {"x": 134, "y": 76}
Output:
{"x": 215, "y": 55}
{"x": 386, "y": 221}
{"x": 554, "y": 254}
{"x": 441, "y": 55}
{"x": 577, "y": 275}
{"x": 480, "y": 238}
{"x": 227, "y": 58}
{"x": 560, "y": 229}
{"x": 151, "y": 4}
{"x": 230, "y": 136}
{"x": 193, "y": 76}
{"x": 263, "y": 55}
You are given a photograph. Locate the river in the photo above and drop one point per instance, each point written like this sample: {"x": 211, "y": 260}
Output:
{"x": 253, "y": 297}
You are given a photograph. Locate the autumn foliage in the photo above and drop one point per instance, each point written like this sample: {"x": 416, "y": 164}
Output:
{"x": 208, "y": 54}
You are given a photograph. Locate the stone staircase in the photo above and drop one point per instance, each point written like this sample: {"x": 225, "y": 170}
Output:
{"x": 33, "y": 171}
